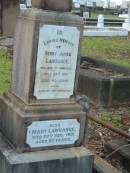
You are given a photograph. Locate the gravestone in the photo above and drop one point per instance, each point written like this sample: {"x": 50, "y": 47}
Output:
{"x": 100, "y": 23}
{"x": 126, "y": 24}
{"x": 43, "y": 128}
{"x": 10, "y": 11}
{"x": 86, "y": 15}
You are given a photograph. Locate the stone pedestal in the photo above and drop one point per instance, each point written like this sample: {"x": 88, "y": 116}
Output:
{"x": 16, "y": 117}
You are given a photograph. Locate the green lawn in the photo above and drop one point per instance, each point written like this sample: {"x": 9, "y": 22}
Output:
{"x": 5, "y": 71}
{"x": 112, "y": 49}
{"x": 106, "y": 16}
{"x": 115, "y": 49}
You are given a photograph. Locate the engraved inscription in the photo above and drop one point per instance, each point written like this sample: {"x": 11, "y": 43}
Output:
{"x": 56, "y": 62}
{"x": 52, "y": 133}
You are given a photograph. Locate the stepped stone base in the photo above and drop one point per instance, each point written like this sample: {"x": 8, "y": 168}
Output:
{"x": 72, "y": 160}
{"x": 16, "y": 116}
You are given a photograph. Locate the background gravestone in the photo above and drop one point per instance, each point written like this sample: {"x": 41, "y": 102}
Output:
{"x": 8, "y": 13}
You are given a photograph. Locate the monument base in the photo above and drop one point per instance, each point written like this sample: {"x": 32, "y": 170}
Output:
{"x": 16, "y": 117}
{"x": 72, "y": 160}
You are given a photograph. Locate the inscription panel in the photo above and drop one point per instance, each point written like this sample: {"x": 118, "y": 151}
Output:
{"x": 52, "y": 133}
{"x": 56, "y": 62}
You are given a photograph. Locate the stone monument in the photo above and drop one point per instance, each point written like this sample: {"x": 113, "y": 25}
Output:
{"x": 43, "y": 129}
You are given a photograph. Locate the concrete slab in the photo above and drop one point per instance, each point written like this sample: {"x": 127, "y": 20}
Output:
{"x": 72, "y": 160}
{"x": 123, "y": 150}
{"x": 102, "y": 166}
{"x": 105, "y": 90}
{"x": 105, "y": 32}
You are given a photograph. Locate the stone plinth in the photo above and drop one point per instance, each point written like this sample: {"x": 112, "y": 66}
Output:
{"x": 72, "y": 160}
{"x": 16, "y": 117}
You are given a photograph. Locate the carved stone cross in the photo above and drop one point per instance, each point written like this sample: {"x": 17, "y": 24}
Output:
{"x": 54, "y": 5}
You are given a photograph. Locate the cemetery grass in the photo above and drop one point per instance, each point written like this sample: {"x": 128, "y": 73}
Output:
{"x": 106, "y": 16}
{"x": 119, "y": 117}
{"x": 5, "y": 71}
{"x": 112, "y": 49}
{"x": 117, "y": 51}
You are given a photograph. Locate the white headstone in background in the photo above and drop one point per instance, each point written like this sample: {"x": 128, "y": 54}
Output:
{"x": 89, "y": 3}
{"x": 76, "y": 5}
{"x": 29, "y": 3}
{"x": 23, "y": 7}
{"x": 52, "y": 133}
{"x": 56, "y": 62}
{"x": 100, "y": 23}
{"x": 126, "y": 24}
{"x": 99, "y": 3}
{"x": 105, "y": 4}
{"x": 26, "y": 4}
{"x": 86, "y": 15}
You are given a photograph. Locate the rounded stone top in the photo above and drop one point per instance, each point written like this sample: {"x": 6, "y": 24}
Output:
{"x": 54, "y": 5}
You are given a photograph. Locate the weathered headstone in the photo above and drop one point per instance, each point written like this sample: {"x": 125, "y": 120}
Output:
{"x": 100, "y": 23}
{"x": 40, "y": 112}
{"x": 10, "y": 11}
